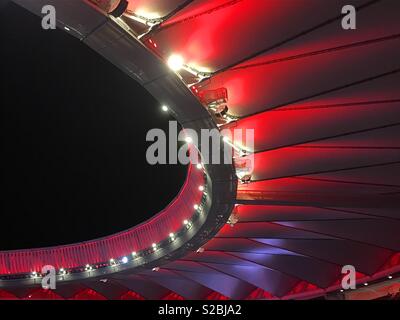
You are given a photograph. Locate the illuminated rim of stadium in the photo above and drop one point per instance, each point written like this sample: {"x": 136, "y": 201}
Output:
{"x": 203, "y": 221}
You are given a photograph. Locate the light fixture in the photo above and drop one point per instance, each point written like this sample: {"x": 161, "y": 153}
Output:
{"x": 67, "y": 29}
{"x": 112, "y": 261}
{"x": 341, "y": 290}
{"x": 171, "y": 235}
{"x": 62, "y": 271}
{"x": 134, "y": 254}
{"x": 185, "y": 222}
{"x": 124, "y": 259}
{"x": 34, "y": 274}
{"x": 225, "y": 139}
{"x": 154, "y": 245}
{"x": 164, "y": 108}
{"x": 390, "y": 277}
{"x": 175, "y": 62}
{"x": 366, "y": 283}
{"x": 153, "y": 43}
{"x": 201, "y": 188}
{"x": 196, "y": 206}
{"x": 88, "y": 267}
{"x": 199, "y": 166}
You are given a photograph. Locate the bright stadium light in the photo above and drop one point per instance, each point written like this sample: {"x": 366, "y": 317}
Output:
{"x": 124, "y": 259}
{"x": 175, "y": 62}
{"x": 201, "y": 188}
{"x": 164, "y": 108}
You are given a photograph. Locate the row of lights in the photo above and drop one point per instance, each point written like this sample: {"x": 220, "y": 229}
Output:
{"x": 113, "y": 262}
{"x": 366, "y": 283}
{"x": 187, "y": 139}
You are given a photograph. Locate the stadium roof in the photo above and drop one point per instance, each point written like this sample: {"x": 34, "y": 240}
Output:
{"x": 325, "y": 106}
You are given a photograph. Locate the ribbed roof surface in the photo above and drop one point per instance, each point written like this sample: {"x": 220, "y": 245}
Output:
{"x": 325, "y": 107}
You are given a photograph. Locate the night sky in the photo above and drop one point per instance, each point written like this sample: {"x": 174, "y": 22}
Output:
{"x": 73, "y": 140}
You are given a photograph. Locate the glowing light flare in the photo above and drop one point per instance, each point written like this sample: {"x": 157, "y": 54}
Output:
{"x": 175, "y": 62}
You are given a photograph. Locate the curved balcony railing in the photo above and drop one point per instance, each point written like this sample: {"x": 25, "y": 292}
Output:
{"x": 123, "y": 243}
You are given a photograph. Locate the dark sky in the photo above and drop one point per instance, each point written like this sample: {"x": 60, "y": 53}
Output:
{"x": 73, "y": 140}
